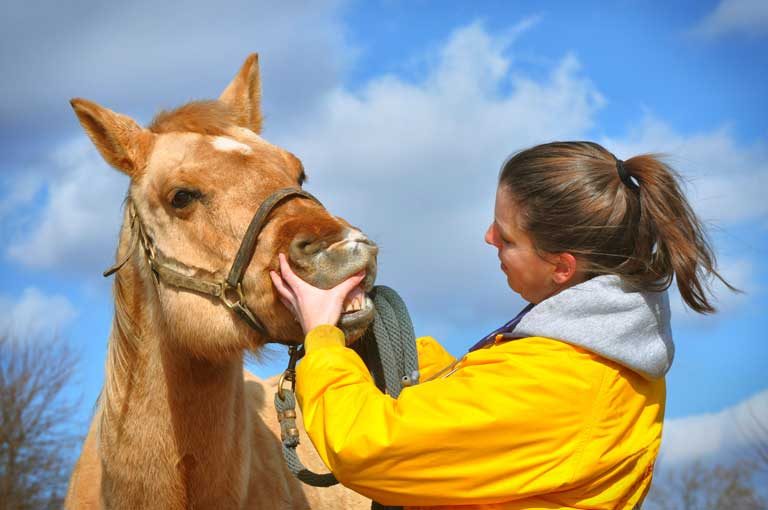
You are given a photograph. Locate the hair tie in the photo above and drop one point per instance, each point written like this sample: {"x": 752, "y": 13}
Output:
{"x": 624, "y": 175}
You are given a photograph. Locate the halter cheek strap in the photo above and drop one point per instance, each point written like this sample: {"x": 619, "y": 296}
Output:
{"x": 229, "y": 291}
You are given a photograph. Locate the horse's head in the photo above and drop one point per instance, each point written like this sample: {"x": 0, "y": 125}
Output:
{"x": 198, "y": 175}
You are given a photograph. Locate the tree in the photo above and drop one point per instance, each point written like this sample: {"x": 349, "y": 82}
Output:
{"x": 36, "y": 432}
{"x": 697, "y": 486}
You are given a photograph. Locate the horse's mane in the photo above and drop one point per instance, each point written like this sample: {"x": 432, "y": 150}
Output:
{"x": 204, "y": 117}
{"x": 123, "y": 343}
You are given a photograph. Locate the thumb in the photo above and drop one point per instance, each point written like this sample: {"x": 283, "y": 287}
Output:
{"x": 350, "y": 283}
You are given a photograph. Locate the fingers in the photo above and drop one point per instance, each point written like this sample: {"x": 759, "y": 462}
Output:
{"x": 295, "y": 282}
{"x": 290, "y": 285}
{"x": 285, "y": 295}
{"x": 290, "y": 308}
{"x": 286, "y": 272}
{"x": 286, "y": 303}
{"x": 311, "y": 305}
{"x": 283, "y": 290}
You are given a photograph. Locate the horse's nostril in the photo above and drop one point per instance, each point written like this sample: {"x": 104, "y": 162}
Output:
{"x": 306, "y": 245}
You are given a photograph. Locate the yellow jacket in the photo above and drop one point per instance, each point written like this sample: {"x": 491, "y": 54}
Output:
{"x": 533, "y": 423}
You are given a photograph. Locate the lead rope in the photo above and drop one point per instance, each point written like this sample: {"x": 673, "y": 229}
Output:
{"x": 388, "y": 349}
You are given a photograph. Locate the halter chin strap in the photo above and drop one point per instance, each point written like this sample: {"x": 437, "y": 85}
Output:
{"x": 230, "y": 290}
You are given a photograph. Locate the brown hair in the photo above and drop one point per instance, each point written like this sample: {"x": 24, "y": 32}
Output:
{"x": 642, "y": 228}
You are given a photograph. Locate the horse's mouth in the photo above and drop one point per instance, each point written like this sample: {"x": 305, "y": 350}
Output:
{"x": 357, "y": 311}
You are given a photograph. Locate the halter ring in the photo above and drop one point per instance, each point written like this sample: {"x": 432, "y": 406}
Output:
{"x": 239, "y": 298}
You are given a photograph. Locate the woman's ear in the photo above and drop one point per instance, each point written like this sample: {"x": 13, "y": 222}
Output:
{"x": 565, "y": 269}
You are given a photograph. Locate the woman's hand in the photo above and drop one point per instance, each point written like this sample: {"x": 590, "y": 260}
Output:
{"x": 311, "y": 306}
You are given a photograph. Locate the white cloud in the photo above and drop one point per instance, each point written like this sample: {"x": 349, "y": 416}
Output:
{"x": 148, "y": 55}
{"x": 735, "y": 432}
{"x": 735, "y": 16}
{"x": 35, "y": 314}
{"x": 78, "y": 226}
{"x": 21, "y": 190}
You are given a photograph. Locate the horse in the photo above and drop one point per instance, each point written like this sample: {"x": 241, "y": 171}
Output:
{"x": 180, "y": 423}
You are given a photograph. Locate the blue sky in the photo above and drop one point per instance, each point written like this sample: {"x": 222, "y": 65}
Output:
{"x": 402, "y": 113}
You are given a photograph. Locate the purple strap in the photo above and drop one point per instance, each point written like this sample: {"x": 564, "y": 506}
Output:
{"x": 506, "y": 328}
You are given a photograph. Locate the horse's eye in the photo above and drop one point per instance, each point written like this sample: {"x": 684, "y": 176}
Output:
{"x": 184, "y": 197}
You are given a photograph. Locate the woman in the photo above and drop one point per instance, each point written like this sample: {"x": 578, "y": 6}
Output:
{"x": 563, "y": 406}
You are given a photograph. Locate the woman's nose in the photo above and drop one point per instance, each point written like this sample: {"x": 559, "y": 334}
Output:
{"x": 489, "y": 236}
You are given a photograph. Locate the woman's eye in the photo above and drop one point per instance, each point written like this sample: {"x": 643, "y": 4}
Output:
{"x": 183, "y": 198}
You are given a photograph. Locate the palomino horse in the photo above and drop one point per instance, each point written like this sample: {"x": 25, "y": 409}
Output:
{"x": 179, "y": 423}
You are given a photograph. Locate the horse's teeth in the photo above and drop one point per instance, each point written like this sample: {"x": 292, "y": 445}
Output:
{"x": 355, "y": 304}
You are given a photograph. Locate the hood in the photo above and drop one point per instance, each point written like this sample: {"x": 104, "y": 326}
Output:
{"x": 607, "y": 317}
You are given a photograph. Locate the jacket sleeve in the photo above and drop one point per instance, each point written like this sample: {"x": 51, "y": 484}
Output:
{"x": 433, "y": 358}
{"x": 491, "y": 432}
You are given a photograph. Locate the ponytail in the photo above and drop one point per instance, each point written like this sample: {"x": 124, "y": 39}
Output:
{"x": 680, "y": 247}
{"x": 577, "y": 197}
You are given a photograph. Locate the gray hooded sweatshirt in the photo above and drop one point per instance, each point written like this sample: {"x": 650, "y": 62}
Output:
{"x": 607, "y": 317}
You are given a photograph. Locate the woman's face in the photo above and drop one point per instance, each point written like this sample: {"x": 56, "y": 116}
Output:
{"x": 527, "y": 272}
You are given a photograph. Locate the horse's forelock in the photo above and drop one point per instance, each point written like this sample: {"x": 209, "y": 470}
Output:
{"x": 204, "y": 117}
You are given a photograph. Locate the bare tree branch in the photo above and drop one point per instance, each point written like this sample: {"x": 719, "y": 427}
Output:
{"x": 761, "y": 443}
{"x": 706, "y": 487}
{"x": 36, "y": 432}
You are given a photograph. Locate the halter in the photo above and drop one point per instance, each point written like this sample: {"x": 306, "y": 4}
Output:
{"x": 229, "y": 290}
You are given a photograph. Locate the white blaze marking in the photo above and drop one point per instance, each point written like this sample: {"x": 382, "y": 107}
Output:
{"x": 225, "y": 144}
{"x": 247, "y": 134}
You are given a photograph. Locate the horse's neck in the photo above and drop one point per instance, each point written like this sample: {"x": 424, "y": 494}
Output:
{"x": 174, "y": 430}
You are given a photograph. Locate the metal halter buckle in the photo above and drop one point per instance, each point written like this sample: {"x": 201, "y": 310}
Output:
{"x": 239, "y": 300}
{"x": 295, "y": 353}
{"x": 289, "y": 376}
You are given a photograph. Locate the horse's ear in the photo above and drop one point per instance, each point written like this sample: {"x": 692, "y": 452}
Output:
{"x": 243, "y": 95}
{"x": 122, "y": 143}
